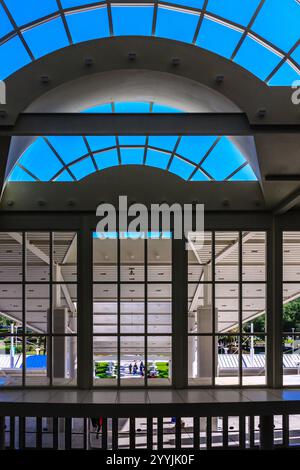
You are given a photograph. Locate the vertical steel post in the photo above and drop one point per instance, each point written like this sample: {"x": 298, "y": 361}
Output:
{"x": 2, "y": 432}
{"x": 149, "y": 433}
{"x": 85, "y": 306}
{"x": 274, "y": 306}
{"x": 179, "y": 309}
{"x": 266, "y": 432}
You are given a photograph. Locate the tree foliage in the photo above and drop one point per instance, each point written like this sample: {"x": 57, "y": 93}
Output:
{"x": 291, "y": 315}
{"x": 290, "y": 318}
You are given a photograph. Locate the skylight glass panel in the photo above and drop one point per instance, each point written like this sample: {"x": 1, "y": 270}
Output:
{"x": 279, "y": 22}
{"x": 40, "y": 160}
{"x": 200, "y": 176}
{"x": 5, "y": 24}
{"x": 69, "y": 148}
{"x": 175, "y": 24}
{"x": 132, "y": 21}
{"x": 107, "y": 159}
{"x": 218, "y": 38}
{"x": 160, "y": 108}
{"x": 296, "y": 55}
{"x": 194, "y": 147}
{"x": 157, "y": 159}
{"x": 132, "y": 140}
{"x": 165, "y": 142}
{"x": 223, "y": 160}
{"x": 132, "y": 156}
{"x": 238, "y": 11}
{"x": 101, "y": 108}
{"x": 285, "y": 76}
{"x": 188, "y": 3}
{"x": 88, "y": 25}
{"x": 25, "y": 11}
{"x": 256, "y": 58}
{"x": 83, "y": 168}
{"x": 64, "y": 176}
{"x": 181, "y": 168}
{"x": 18, "y": 174}
{"x": 46, "y": 38}
{"x": 100, "y": 142}
{"x": 75, "y": 3}
{"x": 244, "y": 174}
{"x": 132, "y": 107}
{"x": 13, "y": 56}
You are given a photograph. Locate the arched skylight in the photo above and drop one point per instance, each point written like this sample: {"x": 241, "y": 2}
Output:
{"x": 71, "y": 158}
{"x": 260, "y": 35}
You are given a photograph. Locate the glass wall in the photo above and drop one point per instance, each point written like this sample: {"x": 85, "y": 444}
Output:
{"x": 38, "y": 309}
{"x": 291, "y": 309}
{"x": 132, "y": 311}
{"x": 226, "y": 309}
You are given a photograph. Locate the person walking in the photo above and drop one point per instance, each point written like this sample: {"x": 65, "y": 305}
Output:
{"x": 97, "y": 424}
{"x": 173, "y": 421}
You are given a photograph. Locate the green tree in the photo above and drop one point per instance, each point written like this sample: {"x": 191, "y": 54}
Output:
{"x": 290, "y": 318}
{"x": 4, "y": 321}
{"x": 291, "y": 315}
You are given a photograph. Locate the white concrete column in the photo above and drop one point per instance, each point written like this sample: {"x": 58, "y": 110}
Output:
{"x": 56, "y": 289}
{"x": 72, "y": 348}
{"x": 191, "y": 346}
{"x": 207, "y": 287}
{"x": 204, "y": 345}
{"x": 204, "y": 320}
{"x": 59, "y": 344}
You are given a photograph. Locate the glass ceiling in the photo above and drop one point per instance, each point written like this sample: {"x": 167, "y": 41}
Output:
{"x": 71, "y": 158}
{"x": 260, "y": 35}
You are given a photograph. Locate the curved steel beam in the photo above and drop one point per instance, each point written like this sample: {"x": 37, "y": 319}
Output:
{"x": 262, "y": 104}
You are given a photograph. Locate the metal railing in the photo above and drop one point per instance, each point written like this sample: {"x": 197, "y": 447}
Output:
{"x": 150, "y": 433}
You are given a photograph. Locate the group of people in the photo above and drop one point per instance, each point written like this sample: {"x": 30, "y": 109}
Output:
{"x": 135, "y": 369}
{"x": 97, "y": 422}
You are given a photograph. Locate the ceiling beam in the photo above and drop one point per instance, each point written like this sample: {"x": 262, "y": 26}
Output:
{"x": 260, "y": 312}
{"x": 16, "y": 319}
{"x": 234, "y": 245}
{"x": 219, "y": 257}
{"x": 229, "y": 124}
{"x": 288, "y": 203}
{"x": 45, "y": 258}
{"x": 72, "y": 246}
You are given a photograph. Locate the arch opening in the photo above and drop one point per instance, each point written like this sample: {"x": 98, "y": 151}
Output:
{"x": 72, "y": 158}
